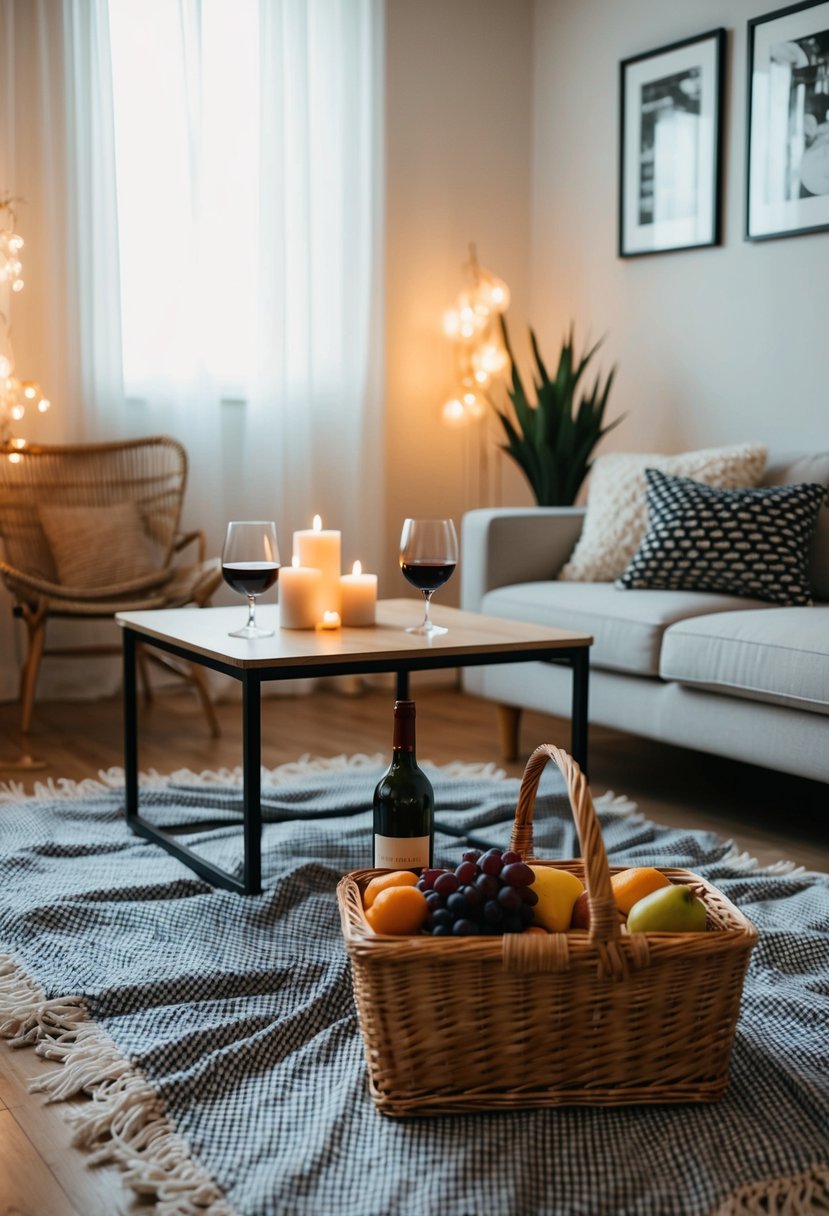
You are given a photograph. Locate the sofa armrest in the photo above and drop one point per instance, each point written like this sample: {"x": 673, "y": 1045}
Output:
{"x": 509, "y": 545}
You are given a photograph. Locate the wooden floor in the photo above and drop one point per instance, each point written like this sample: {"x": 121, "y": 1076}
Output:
{"x": 769, "y": 815}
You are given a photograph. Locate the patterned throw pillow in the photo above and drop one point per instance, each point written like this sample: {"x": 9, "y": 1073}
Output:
{"x": 617, "y": 514}
{"x": 98, "y": 547}
{"x": 739, "y": 542}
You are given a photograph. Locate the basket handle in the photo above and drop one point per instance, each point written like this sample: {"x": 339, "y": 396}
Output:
{"x": 604, "y": 918}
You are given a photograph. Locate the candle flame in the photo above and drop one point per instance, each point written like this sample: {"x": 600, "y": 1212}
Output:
{"x": 295, "y": 561}
{"x": 317, "y": 523}
{"x": 357, "y": 568}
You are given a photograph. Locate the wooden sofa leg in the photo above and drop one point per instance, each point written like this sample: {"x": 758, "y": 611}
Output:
{"x": 36, "y": 627}
{"x": 509, "y": 723}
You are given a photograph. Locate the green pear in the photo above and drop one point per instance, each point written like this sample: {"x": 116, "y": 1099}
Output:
{"x": 673, "y": 909}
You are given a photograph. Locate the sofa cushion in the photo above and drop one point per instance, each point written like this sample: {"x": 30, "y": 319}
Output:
{"x": 753, "y": 542}
{"x": 780, "y": 656}
{"x": 784, "y": 470}
{"x": 617, "y": 514}
{"x": 627, "y": 626}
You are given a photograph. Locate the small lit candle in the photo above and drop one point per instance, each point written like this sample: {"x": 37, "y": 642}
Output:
{"x": 320, "y": 548}
{"x": 300, "y": 596}
{"x": 330, "y": 620}
{"x": 358, "y": 596}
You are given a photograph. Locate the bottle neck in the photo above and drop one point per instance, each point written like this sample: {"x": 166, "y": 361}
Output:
{"x": 403, "y": 742}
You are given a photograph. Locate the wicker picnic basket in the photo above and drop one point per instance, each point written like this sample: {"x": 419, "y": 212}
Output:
{"x": 598, "y": 1018}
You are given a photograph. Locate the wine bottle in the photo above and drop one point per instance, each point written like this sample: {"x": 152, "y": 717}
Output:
{"x": 404, "y": 803}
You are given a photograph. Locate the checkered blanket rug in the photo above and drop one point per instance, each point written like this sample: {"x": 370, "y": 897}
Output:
{"x": 217, "y": 1036}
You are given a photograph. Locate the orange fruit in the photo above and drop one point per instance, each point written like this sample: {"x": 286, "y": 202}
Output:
{"x": 398, "y": 910}
{"x": 394, "y": 878}
{"x": 629, "y": 886}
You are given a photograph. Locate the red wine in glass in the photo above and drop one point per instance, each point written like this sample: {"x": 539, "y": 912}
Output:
{"x": 427, "y": 576}
{"x": 250, "y": 566}
{"x": 428, "y": 557}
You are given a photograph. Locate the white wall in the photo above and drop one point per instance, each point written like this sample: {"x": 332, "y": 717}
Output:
{"x": 458, "y": 143}
{"x": 713, "y": 345}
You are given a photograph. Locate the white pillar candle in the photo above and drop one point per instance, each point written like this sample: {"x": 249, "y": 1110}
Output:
{"x": 320, "y": 548}
{"x": 300, "y": 596}
{"x": 358, "y": 597}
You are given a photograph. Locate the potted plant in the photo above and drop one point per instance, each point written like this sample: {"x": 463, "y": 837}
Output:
{"x": 552, "y": 440}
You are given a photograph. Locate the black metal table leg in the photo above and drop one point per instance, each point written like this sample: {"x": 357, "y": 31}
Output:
{"x": 130, "y": 727}
{"x": 580, "y": 660}
{"x": 402, "y": 693}
{"x": 252, "y": 777}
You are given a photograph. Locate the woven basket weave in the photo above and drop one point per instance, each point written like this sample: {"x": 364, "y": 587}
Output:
{"x": 603, "y": 1018}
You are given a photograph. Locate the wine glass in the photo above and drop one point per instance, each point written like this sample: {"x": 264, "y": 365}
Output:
{"x": 428, "y": 556}
{"x": 250, "y": 565}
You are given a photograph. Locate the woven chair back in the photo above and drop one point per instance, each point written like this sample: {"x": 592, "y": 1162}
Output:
{"x": 150, "y": 472}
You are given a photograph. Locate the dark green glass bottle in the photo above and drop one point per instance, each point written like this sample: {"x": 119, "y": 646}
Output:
{"x": 404, "y": 803}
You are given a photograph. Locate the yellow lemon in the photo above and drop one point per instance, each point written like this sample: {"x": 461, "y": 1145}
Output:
{"x": 557, "y": 891}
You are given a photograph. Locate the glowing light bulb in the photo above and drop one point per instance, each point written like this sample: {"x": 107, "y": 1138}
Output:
{"x": 30, "y": 391}
{"x": 481, "y": 376}
{"x": 18, "y": 285}
{"x": 16, "y": 243}
{"x": 43, "y": 405}
{"x": 14, "y": 458}
{"x": 5, "y": 367}
{"x": 17, "y": 412}
{"x": 453, "y": 414}
{"x": 451, "y": 323}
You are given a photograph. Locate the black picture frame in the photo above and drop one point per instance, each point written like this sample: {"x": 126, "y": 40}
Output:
{"x": 787, "y": 130}
{"x": 671, "y": 146}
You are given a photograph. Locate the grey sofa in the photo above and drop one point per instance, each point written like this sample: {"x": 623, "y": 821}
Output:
{"x": 731, "y": 676}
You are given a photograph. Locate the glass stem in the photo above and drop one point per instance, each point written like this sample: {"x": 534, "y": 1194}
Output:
{"x": 251, "y": 612}
{"x": 427, "y": 620}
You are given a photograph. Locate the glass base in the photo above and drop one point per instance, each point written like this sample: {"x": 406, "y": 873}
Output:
{"x": 251, "y": 631}
{"x": 428, "y": 631}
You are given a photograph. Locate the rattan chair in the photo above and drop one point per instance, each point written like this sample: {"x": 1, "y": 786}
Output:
{"x": 93, "y": 529}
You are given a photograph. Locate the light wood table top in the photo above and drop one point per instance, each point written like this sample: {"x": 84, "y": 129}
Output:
{"x": 204, "y": 631}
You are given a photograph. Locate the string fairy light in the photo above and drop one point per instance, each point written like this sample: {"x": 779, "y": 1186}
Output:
{"x": 474, "y": 328}
{"x": 17, "y": 396}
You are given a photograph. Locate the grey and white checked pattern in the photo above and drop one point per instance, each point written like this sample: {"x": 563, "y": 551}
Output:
{"x": 239, "y": 1010}
{"x": 751, "y": 542}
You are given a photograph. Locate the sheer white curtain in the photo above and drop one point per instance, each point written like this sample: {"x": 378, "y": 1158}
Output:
{"x": 247, "y": 157}
{"x": 208, "y": 186}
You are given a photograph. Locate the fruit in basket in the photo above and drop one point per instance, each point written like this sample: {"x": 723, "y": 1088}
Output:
{"x": 580, "y": 916}
{"x": 487, "y": 893}
{"x": 399, "y": 911}
{"x": 672, "y": 909}
{"x": 557, "y": 892}
{"x": 629, "y": 886}
{"x": 394, "y": 878}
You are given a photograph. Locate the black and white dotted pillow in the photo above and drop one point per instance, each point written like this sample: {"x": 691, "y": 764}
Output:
{"x": 751, "y": 542}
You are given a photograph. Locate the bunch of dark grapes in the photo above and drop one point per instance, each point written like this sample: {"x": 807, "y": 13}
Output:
{"x": 487, "y": 893}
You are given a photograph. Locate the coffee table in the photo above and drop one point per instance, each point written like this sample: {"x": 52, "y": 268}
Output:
{"x": 200, "y": 635}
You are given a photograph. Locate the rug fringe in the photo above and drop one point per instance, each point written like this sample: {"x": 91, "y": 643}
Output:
{"x": 124, "y": 1122}
{"x": 805, "y": 1194}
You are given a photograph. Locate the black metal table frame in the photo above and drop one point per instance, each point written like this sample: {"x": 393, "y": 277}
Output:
{"x": 252, "y": 678}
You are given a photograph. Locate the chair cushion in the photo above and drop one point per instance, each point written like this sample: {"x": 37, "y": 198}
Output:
{"x": 780, "y": 655}
{"x": 753, "y": 542}
{"x": 627, "y": 626}
{"x": 98, "y": 547}
{"x": 617, "y": 515}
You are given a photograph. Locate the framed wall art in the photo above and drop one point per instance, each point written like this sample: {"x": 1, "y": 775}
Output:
{"x": 787, "y": 178}
{"x": 670, "y": 161}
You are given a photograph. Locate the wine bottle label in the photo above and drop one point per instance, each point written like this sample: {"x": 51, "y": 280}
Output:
{"x": 400, "y": 852}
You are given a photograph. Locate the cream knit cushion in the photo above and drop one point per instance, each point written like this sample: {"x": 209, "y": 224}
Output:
{"x": 617, "y": 511}
{"x": 98, "y": 547}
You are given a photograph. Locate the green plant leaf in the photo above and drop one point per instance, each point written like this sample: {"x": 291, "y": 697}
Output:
{"x": 552, "y": 440}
